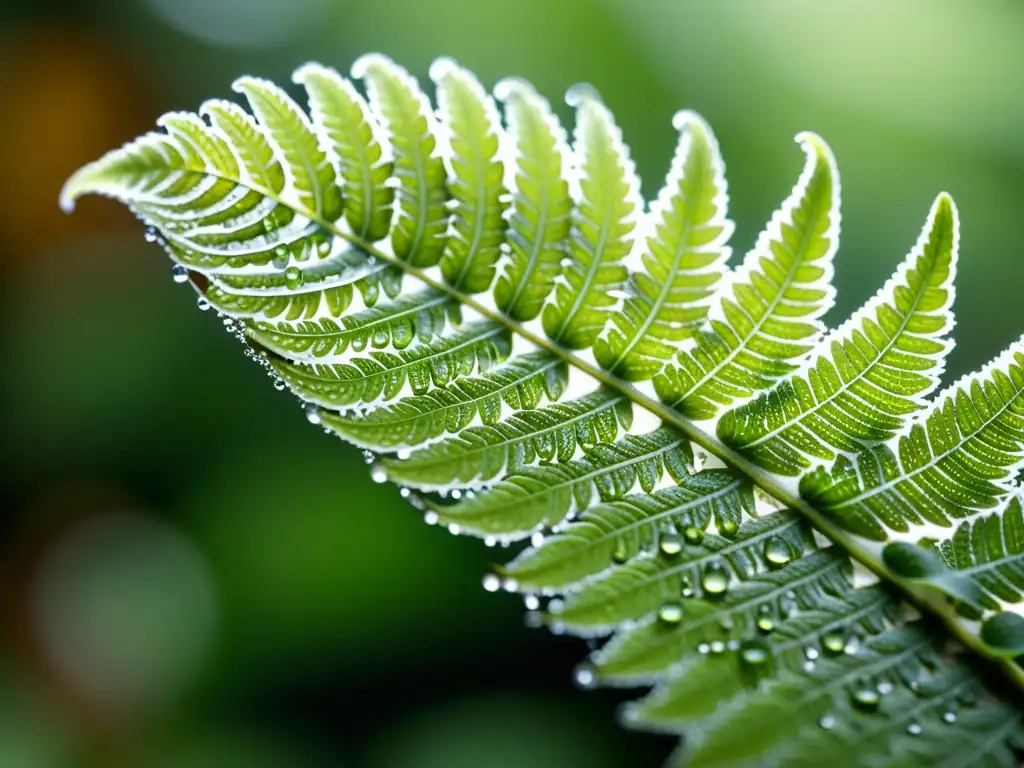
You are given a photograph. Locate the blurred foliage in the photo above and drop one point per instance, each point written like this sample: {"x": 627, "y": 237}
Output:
{"x": 339, "y": 629}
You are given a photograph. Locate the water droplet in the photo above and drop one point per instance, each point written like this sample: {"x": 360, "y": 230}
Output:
{"x": 537, "y": 539}
{"x": 533, "y": 619}
{"x": 693, "y": 534}
{"x": 312, "y": 414}
{"x": 293, "y": 277}
{"x": 556, "y": 606}
{"x": 430, "y": 517}
{"x": 670, "y": 544}
{"x": 914, "y": 729}
{"x": 809, "y": 666}
{"x": 621, "y": 553}
{"x": 491, "y": 582}
{"x": 885, "y": 687}
{"x": 404, "y": 492}
{"x": 703, "y": 649}
{"x": 728, "y": 527}
{"x": 456, "y": 494}
{"x": 378, "y": 474}
{"x": 717, "y": 647}
{"x": 865, "y": 698}
{"x": 811, "y": 653}
{"x": 454, "y": 529}
{"x": 584, "y": 676}
{"x": 150, "y": 235}
{"x": 403, "y": 454}
{"x": 715, "y": 579}
{"x": 754, "y": 653}
{"x": 949, "y": 717}
{"x": 670, "y": 613}
{"x": 490, "y": 541}
{"x": 203, "y": 303}
{"x": 323, "y": 247}
{"x": 765, "y": 625}
{"x": 510, "y": 585}
{"x": 179, "y": 273}
{"x": 833, "y": 641}
{"x": 827, "y": 722}
{"x": 279, "y": 385}
{"x": 532, "y": 602}
{"x": 777, "y": 552}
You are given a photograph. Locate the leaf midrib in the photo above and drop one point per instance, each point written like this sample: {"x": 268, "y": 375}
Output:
{"x": 779, "y": 488}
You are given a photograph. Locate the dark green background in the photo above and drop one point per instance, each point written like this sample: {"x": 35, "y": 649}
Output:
{"x": 190, "y": 575}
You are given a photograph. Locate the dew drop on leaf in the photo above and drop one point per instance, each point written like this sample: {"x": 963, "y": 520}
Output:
{"x": 312, "y": 414}
{"x": 885, "y": 688}
{"x": 728, "y": 527}
{"x": 833, "y": 641}
{"x": 378, "y": 474}
{"x": 765, "y": 625}
{"x": 532, "y": 602}
{"x": 670, "y": 544}
{"x": 670, "y": 613}
{"x": 754, "y": 653}
{"x": 293, "y": 277}
{"x": 715, "y": 579}
{"x": 717, "y": 647}
{"x": 949, "y": 717}
{"x": 150, "y": 235}
{"x": 584, "y": 676}
{"x": 203, "y": 303}
{"x": 536, "y": 539}
{"x": 914, "y": 729}
{"x": 179, "y": 273}
{"x": 865, "y": 698}
{"x": 693, "y": 534}
{"x": 777, "y": 552}
{"x": 491, "y": 582}
{"x": 827, "y": 722}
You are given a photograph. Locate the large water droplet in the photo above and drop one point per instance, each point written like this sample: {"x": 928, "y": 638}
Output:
{"x": 715, "y": 579}
{"x": 693, "y": 534}
{"x": 312, "y": 414}
{"x": 834, "y": 641}
{"x": 670, "y": 544}
{"x": 378, "y": 474}
{"x": 179, "y": 273}
{"x": 293, "y": 277}
{"x": 865, "y": 698}
{"x": 754, "y": 653}
{"x": 777, "y": 552}
{"x": 670, "y": 613}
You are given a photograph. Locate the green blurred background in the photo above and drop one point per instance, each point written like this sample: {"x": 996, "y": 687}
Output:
{"x": 189, "y": 574}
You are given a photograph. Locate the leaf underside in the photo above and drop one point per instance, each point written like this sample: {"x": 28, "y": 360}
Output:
{"x": 425, "y": 278}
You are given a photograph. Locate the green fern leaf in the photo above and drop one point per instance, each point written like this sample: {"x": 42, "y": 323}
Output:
{"x": 607, "y": 198}
{"x": 879, "y": 367}
{"x": 683, "y": 260}
{"x": 766, "y": 319}
{"x": 807, "y": 559}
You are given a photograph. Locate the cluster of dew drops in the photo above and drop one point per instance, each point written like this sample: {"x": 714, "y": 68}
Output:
{"x": 715, "y": 578}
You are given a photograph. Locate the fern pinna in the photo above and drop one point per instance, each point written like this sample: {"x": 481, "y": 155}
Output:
{"x": 809, "y": 555}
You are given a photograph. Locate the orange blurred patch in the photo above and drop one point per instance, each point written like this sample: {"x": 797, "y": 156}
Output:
{"x": 69, "y": 97}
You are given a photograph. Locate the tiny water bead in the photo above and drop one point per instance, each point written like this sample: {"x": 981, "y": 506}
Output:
{"x": 914, "y": 729}
{"x": 827, "y": 722}
{"x": 670, "y": 613}
{"x": 203, "y": 303}
{"x": 777, "y": 552}
{"x": 715, "y": 579}
{"x": 584, "y": 676}
{"x": 949, "y": 717}
{"x": 179, "y": 273}
{"x": 532, "y": 602}
{"x": 885, "y": 688}
{"x": 293, "y": 277}
{"x": 536, "y": 539}
{"x": 279, "y": 385}
{"x": 312, "y": 414}
{"x": 491, "y": 582}
{"x": 150, "y": 235}
{"x": 717, "y": 647}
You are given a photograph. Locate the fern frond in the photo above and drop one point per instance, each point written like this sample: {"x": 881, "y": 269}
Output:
{"x": 767, "y": 540}
{"x": 766, "y": 318}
